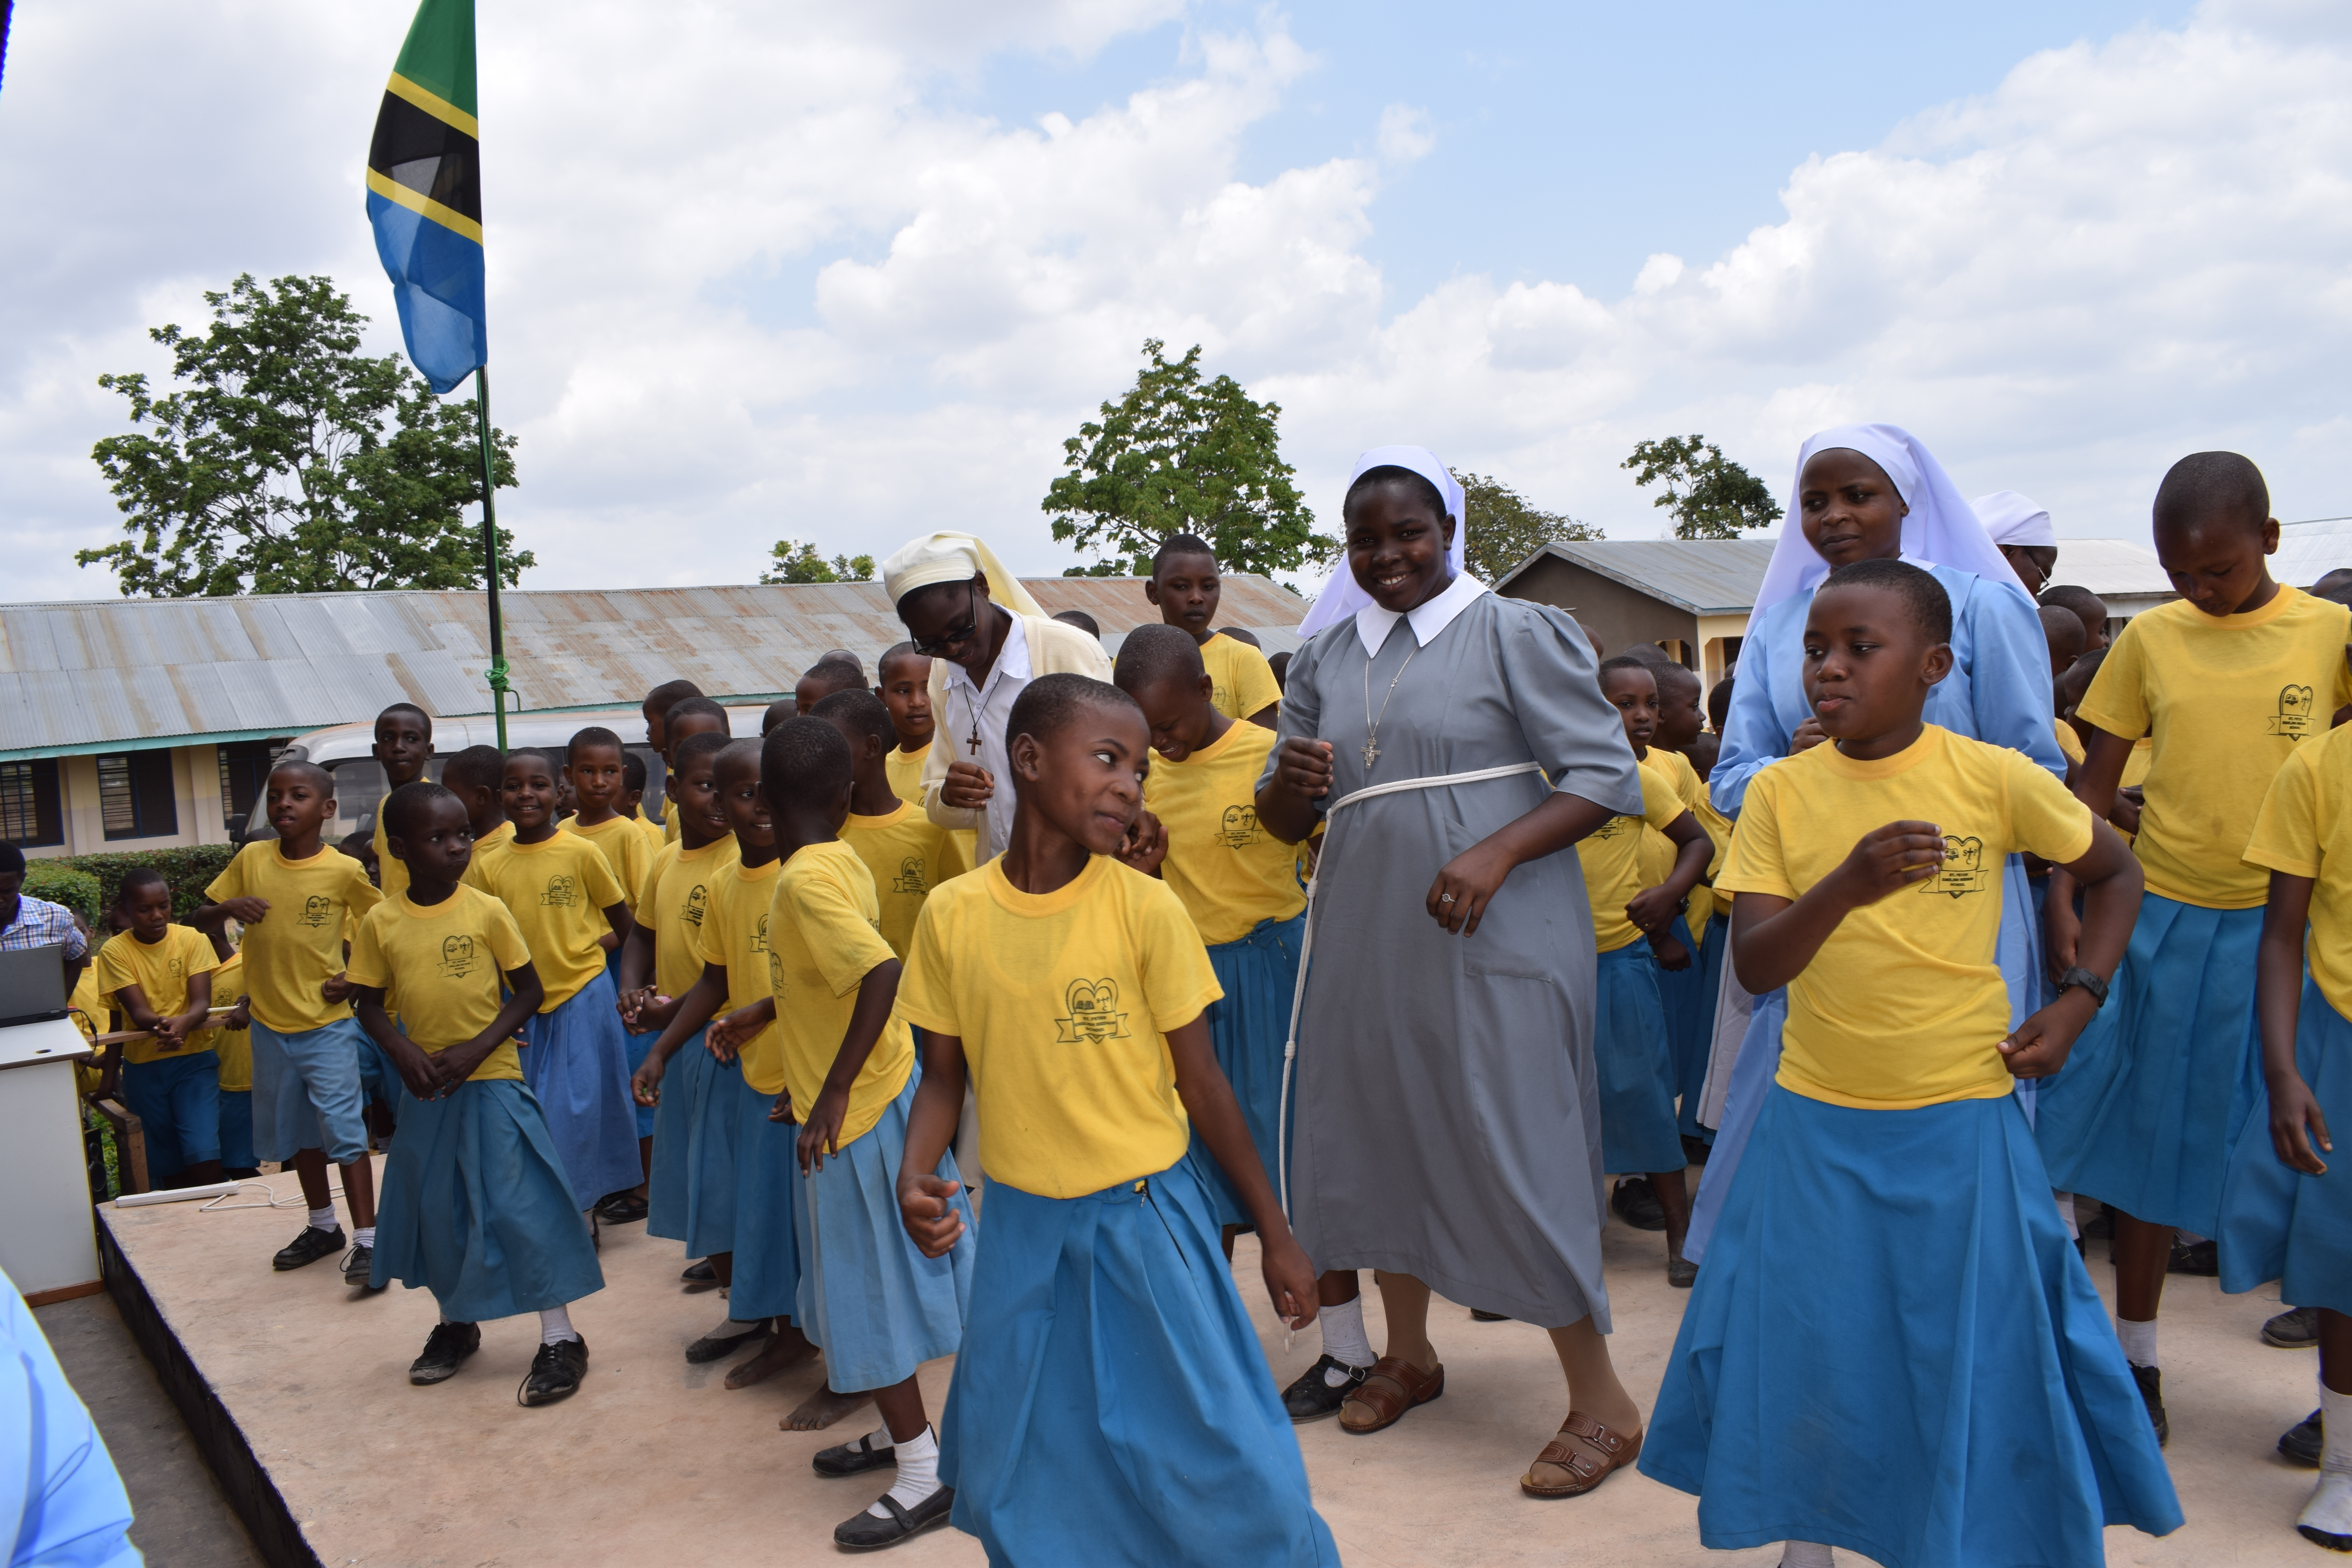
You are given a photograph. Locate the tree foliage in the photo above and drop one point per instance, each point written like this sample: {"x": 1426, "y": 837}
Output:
{"x": 292, "y": 464}
{"x": 799, "y": 563}
{"x": 1177, "y": 455}
{"x": 1710, "y": 496}
{"x": 1506, "y": 528}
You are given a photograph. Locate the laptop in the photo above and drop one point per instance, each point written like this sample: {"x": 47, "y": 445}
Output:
{"x": 32, "y": 984}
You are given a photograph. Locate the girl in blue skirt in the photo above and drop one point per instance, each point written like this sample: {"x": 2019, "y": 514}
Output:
{"x": 2284, "y": 1214}
{"x": 475, "y": 1206}
{"x": 1689, "y": 993}
{"x": 1111, "y": 1403}
{"x": 2228, "y": 682}
{"x": 1834, "y": 1383}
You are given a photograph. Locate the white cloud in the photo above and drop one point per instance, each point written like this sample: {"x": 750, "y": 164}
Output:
{"x": 768, "y": 279}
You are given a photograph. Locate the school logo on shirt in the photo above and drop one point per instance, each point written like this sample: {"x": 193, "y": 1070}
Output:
{"x": 457, "y": 957}
{"x": 1240, "y": 829}
{"x": 760, "y": 936}
{"x": 2294, "y": 715}
{"x": 1964, "y": 870}
{"x": 176, "y": 968}
{"x": 1613, "y": 826}
{"x": 562, "y": 892}
{"x": 698, "y": 898}
{"x": 317, "y": 910}
{"x": 910, "y": 877}
{"x": 775, "y": 976}
{"x": 1094, "y": 1013}
{"x": 1220, "y": 697}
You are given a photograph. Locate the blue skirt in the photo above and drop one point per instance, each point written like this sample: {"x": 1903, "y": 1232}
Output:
{"x": 237, "y": 1129}
{"x": 2278, "y": 1224}
{"x": 576, "y": 1061}
{"x": 1928, "y": 1407}
{"x": 1689, "y": 997}
{"x": 638, "y": 1046}
{"x": 1634, "y": 1059}
{"x": 691, "y": 1195}
{"x": 1111, "y": 1403}
{"x": 767, "y": 1211}
{"x": 475, "y": 1207}
{"x": 379, "y": 1080}
{"x": 875, "y": 1304}
{"x": 177, "y": 1099}
{"x": 2145, "y": 1112}
{"x": 1259, "y": 973}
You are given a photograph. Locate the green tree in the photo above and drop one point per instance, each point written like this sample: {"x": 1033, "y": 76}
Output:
{"x": 292, "y": 463}
{"x": 799, "y": 563}
{"x": 1506, "y": 528}
{"x": 1180, "y": 456}
{"x": 1711, "y": 497}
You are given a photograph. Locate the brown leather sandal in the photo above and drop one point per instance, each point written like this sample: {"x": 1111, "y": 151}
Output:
{"x": 1588, "y": 1472}
{"x": 1392, "y": 1388}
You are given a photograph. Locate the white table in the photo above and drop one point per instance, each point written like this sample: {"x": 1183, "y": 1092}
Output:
{"x": 48, "y": 1238}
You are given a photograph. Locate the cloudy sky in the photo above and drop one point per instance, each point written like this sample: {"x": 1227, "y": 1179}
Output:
{"x": 848, "y": 273}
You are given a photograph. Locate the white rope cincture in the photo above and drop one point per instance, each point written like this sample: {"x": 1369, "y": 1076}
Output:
{"x": 1307, "y": 938}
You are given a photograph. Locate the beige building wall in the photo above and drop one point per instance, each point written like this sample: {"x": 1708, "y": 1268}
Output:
{"x": 195, "y": 793}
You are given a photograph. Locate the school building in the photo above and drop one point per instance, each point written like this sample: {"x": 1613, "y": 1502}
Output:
{"x": 142, "y": 723}
{"x": 1691, "y": 596}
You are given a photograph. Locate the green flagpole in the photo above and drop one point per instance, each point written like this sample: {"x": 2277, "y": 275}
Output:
{"x": 498, "y": 670}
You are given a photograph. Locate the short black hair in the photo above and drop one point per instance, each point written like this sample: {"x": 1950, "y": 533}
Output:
{"x": 475, "y": 767}
{"x": 593, "y": 735}
{"x": 662, "y": 697}
{"x": 1243, "y": 634}
{"x": 136, "y": 878}
{"x": 546, "y": 759}
{"x": 2206, "y": 487}
{"x": 860, "y": 712}
{"x": 685, "y": 707}
{"x": 2064, "y": 630}
{"x": 2335, "y": 586}
{"x": 403, "y": 805}
{"x": 897, "y": 650}
{"x": 1389, "y": 474}
{"x": 835, "y": 674}
{"x": 1624, "y": 661}
{"x": 319, "y": 776}
{"x": 745, "y": 751}
{"x": 1155, "y": 653}
{"x": 707, "y": 744}
{"x": 422, "y": 716}
{"x": 2081, "y": 601}
{"x": 1669, "y": 673}
{"x": 803, "y": 762}
{"x": 1718, "y": 704}
{"x": 1051, "y": 703}
{"x": 1182, "y": 544}
{"x": 776, "y": 712}
{"x": 633, "y": 772}
{"x": 1083, "y": 621}
{"x": 11, "y": 860}
{"x": 1280, "y": 664}
{"x": 1930, "y": 607}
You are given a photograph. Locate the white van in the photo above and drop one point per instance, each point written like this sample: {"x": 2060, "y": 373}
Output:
{"x": 344, "y": 751}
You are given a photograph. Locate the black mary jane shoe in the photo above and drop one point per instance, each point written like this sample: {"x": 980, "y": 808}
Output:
{"x": 2303, "y": 1444}
{"x": 719, "y": 1347}
{"x": 1311, "y": 1398}
{"x": 861, "y": 1531}
{"x": 2151, "y": 1393}
{"x": 2201, "y": 1259}
{"x": 852, "y": 1458}
{"x": 307, "y": 1249}
{"x": 621, "y": 1208}
{"x": 555, "y": 1373}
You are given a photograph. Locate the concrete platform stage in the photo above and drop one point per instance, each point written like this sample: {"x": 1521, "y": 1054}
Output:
{"x": 296, "y": 1389}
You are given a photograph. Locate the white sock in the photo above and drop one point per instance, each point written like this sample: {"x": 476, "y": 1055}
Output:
{"x": 879, "y": 1440}
{"x": 555, "y": 1326}
{"x": 1343, "y": 1337}
{"x": 2138, "y": 1341}
{"x": 364, "y": 1235}
{"x": 1806, "y": 1555}
{"x": 919, "y": 1472}
{"x": 323, "y": 1219}
{"x": 2336, "y": 1431}
{"x": 732, "y": 1328}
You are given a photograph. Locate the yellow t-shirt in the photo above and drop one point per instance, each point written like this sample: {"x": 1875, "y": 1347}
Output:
{"x": 448, "y": 962}
{"x": 1241, "y": 681}
{"x": 1063, "y": 1001}
{"x": 2226, "y": 699}
{"x": 2069, "y": 742}
{"x": 734, "y": 933}
{"x": 650, "y": 830}
{"x": 823, "y": 939}
{"x": 2304, "y": 830}
{"x": 233, "y": 1046}
{"x": 488, "y": 847}
{"x": 1230, "y": 872}
{"x": 908, "y": 854}
{"x": 670, "y": 820}
{"x": 672, "y": 901}
{"x": 1904, "y": 1005}
{"x": 624, "y": 851}
{"x": 2143, "y": 752}
{"x": 161, "y": 969}
{"x": 1615, "y": 865}
{"x": 298, "y": 947}
{"x": 906, "y": 771}
{"x": 391, "y": 874}
{"x": 1659, "y": 850}
{"x": 558, "y": 891}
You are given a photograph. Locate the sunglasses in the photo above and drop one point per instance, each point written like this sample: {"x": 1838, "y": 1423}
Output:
{"x": 969, "y": 629}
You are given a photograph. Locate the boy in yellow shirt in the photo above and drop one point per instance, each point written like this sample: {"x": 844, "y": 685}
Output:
{"x": 878, "y": 1307}
{"x": 477, "y": 776}
{"x": 1077, "y": 990}
{"x": 1889, "y": 1262}
{"x": 906, "y": 690}
{"x": 476, "y": 1206}
{"x": 655, "y": 711}
{"x": 904, "y": 850}
{"x": 404, "y": 745}
{"x": 2228, "y": 682}
{"x": 158, "y": 975}
{"x": 230, "y": 1039}
{"x": 688, "y": 716}
{"x": 564, "y": 898}
{"x": 296, "y": 898}
{"x": 1185, "y": 589}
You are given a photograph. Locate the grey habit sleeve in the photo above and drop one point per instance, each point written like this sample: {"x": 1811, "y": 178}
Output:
{"x": 1569, "y": 727}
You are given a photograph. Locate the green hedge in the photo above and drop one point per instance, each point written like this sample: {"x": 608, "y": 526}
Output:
{"x": 88, "y": 882}
{"x": 60, "y": 883}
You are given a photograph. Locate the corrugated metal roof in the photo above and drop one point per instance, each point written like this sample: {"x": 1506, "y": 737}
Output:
{"x": 2310, "y": 550}
{"x": 93, "y": 673}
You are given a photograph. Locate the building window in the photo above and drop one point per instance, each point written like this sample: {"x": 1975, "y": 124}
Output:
{"x": 31, "y": 806}
{"x": 244, "y": 774}
{"x": 136, "y": 797}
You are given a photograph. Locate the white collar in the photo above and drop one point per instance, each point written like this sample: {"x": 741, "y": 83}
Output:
{"x": 1373, "y": 624}
{"x": 1012, "y": 660}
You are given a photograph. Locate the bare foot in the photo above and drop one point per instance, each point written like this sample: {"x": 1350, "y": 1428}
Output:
{"x": 821, "y": 1409}
{"x": 777, "y": 1352}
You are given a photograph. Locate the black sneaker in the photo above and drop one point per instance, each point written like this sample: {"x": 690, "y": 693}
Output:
{"x": 861, "y": 1531}
{"x": 621, "y": 1208}
{"x": 1637, "y": 1206}
{"x": 853, "y": 1459}
{"x": 358, "y": 1264}
{"x": 555, "y": 1373}
{"x": 445, "y": 1347}
{"x": 308, "y": 1247}
{"x": 2200, "y": 1259}
{"x": 2151, "y": 1393}
{"x": 2301, "y": 1444}
{"x": 2296, "y": 1329}
{"x": 1312, "y": 1398}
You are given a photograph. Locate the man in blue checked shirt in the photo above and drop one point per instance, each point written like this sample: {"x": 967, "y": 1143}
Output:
{"x": 37, "y": 923}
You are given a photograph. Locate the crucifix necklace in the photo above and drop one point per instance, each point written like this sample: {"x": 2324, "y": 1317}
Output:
{"x": 1371, "y": 724}
{"x": 973, "y": 707}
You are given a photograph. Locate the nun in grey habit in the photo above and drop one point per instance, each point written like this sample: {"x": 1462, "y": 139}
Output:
{"x": 1446, "y": 1128}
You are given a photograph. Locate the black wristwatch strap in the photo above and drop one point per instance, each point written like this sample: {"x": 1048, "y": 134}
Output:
{"x": 2088, "y": 982}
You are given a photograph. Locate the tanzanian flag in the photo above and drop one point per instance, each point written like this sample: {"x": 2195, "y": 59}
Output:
{"x": 424, "y": 195}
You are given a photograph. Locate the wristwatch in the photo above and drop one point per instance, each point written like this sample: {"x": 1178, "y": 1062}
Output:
{"x": 2088, "y": 982}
